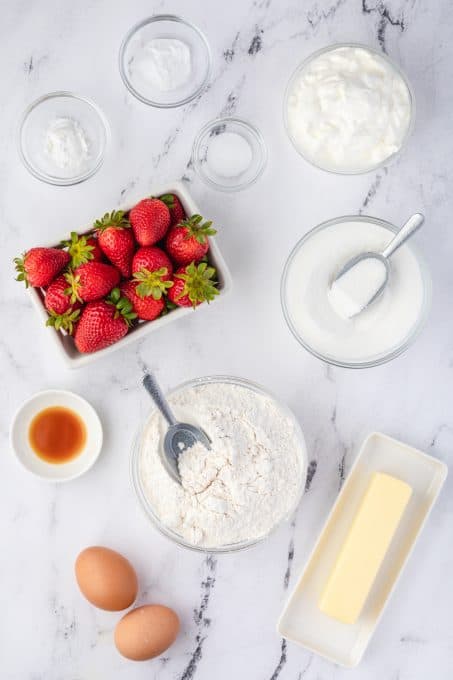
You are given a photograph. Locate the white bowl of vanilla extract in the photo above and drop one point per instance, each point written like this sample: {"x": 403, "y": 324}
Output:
{"x": 56, "y": 435}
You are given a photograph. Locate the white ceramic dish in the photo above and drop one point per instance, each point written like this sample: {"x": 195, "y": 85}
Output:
{"x": 60, "y": 472}
{"x": 64, "y": 344}
{"x": 302, "y": 621}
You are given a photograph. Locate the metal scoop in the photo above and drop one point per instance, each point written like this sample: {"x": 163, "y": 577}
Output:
{"x": 408, "y": 229}
{"x": 179, "y": 436}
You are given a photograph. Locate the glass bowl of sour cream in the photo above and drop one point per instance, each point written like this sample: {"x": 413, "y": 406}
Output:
{"x": 165, "y": 61}
{"x": 240, "y": 491}
{"x": 349, "y": 109}
{"x": 382, "y": 331}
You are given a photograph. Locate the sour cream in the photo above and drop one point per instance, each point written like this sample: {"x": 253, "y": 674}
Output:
{"x": 348, "y": 109}
{"x": 325, "y": 328}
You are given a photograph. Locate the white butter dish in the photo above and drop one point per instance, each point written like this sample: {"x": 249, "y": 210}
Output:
{"x": 302, "y": 621}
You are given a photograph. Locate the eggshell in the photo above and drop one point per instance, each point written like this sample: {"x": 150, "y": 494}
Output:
{"x": 146, "y": 632}
{"x": 106, "y": 578}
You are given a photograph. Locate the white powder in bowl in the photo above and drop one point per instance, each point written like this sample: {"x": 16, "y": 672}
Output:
{"x": 163, "y": 63}
{"x": 229, "y": 154}
{"x": 241, "y": 488}
{"x": 66, "y": 144}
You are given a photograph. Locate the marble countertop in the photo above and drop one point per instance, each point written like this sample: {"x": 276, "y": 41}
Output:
{"x": 228, "y": 604}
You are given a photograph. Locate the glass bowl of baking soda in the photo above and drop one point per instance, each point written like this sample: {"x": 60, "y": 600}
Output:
{"x": 229, "y": 154}
{"x": 62, "y": 138}
{"x": 238, "y": 492}
{"x": 165, "y": 61}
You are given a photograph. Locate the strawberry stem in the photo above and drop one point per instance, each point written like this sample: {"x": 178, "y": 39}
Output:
{"x": 115, "y": 219}
{"x": 123, "y": 306}
{"x": 198, "y": 284}
{"x": 152, "y": 283}
{"x": 196, "y": 228}
{"x": 64, "y": 321}
{"x": 79, "y": 249}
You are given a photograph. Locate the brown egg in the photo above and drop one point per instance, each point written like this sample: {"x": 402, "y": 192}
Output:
{"x": 106, "y": 578}
{"x": 146, "y": 632}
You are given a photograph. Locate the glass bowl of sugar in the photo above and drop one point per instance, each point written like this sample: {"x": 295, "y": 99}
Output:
{"x": 229, "y": 154}
{"x": 165, "y": 61}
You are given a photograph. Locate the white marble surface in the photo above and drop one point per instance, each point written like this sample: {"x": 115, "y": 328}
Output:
{"x": 228, "y": 605}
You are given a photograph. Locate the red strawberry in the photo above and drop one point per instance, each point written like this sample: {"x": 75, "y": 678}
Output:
{"x": 150, "y": 220}
{"x": 39, "y": 266}
{"x": 92, "y": 281}
{"x": 152, "y": 259}
{"x": 146, "y": 307}
{"x": 193, "y": 285}
{"x": 116, "y": 240}
{"x": 58, "y": 297}
{"x": 177, "y": 212}
{"x": 188, "y": 241}
{"x": 103, "y": 323}
{"x": 83, "y": 248}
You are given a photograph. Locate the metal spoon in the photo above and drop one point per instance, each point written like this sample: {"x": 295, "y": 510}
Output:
{"x": 179, "y": 436}
{"x": 408, "y": 229}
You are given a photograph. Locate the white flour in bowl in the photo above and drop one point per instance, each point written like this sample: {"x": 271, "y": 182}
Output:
{"x": 240, "y": 489}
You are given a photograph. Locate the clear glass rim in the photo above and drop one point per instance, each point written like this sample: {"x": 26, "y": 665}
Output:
{"x": 53, "y": 179}
{"x": 224, "y": 121}
{"x": 146, "y": 506}
{"x": 130, "y": 34}
{"x": 387, "y": 161}
{"x": 381, "y": 359}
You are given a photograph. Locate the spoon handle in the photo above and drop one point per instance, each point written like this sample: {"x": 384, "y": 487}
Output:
{"x": 413, "y": 223}
{"x": 157, "y": 396}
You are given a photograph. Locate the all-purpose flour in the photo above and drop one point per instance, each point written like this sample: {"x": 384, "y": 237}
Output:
{"x": 248, "y": 481}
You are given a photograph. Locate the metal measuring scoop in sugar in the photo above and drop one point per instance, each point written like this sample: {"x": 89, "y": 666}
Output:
{"x": 180, "y": 436}
{"x": 363, "y": 278}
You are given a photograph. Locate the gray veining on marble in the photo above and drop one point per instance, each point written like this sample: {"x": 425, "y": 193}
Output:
{"x": 228, "y": 605}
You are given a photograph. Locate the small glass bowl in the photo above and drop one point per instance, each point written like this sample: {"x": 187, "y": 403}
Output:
{"x": 390, "y": 62}
{"x": 394, "y": 351}
{"x": 148, "y": 508}
{"x": 236, "y": 126}
{"x": 165, "y": 26}
{"x": 32, "y": 132}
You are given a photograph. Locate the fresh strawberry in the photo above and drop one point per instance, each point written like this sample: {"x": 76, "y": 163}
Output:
{"x": 174, "y": 205}
{"x": 152, "y": 258}
{"x": 146, "y": 306}
{"x": 83, "y": 248}
{"x": 150, "y": 220}
{"x": 92, "y": 281}
{"x": 116, "y": 240}
{"x": 192, "y": 285}
{"x": 58, "y": 298}
{"x": 188, "y": 241}
{"x": 103, "y": 323}
{"x": 39, "y": 266}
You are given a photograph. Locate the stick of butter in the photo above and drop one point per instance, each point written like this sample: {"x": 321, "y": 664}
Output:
{"x": 364, "y": 548}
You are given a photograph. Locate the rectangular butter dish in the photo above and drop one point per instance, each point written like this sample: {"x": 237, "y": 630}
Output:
{"x": 302, "y": 621}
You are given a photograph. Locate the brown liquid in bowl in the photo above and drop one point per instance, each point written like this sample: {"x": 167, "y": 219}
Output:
{"x": 57, "y": 434}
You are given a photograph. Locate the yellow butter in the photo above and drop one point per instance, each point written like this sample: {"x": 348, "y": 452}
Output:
{"x": 364, "y": 548}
